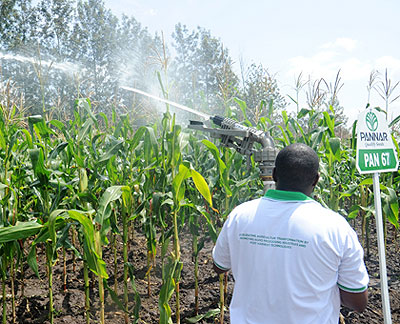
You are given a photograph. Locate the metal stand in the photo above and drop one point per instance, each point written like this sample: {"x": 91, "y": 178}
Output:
{"x": 381, "y": 250}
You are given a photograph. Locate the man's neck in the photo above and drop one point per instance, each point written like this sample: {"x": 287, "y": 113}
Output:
{"x": 307, "y": 192}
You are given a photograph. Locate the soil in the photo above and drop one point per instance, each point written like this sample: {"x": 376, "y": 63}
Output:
{"x": 69, "y": 304}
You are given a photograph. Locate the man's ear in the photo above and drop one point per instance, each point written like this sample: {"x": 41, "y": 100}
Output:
{"x": 274, "y": 175}
{"x": 316, "y": 180}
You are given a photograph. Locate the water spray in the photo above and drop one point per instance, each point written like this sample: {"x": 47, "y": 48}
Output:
{"x": 169, "y": 102}
{"x": 235, "y": 135}
{"x": 65, "y": 67}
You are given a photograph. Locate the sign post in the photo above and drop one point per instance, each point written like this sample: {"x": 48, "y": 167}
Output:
{"x": 376, "y": 153}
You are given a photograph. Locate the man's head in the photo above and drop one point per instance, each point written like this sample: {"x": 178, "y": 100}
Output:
{"x": 296, "y": 168}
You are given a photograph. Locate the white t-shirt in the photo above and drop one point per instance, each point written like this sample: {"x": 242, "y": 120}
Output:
{"x": 289, "y": 256}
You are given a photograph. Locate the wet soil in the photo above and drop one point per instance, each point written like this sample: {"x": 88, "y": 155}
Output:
{"x": 69, "y": 304}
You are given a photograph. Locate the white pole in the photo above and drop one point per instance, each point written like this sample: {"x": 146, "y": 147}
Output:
{"x": 381, "y": 250}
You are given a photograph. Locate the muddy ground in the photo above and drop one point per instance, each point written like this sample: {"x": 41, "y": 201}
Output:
{"x": 69, "y": 305}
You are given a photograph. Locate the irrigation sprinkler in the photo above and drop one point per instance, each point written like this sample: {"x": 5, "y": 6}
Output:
{"x": 235, "y": 135}
{"x": 242, "y": 139}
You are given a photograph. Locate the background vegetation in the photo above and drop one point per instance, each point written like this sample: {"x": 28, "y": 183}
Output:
{"x": 78, "y": 175}
{"x": 63, "y": 49}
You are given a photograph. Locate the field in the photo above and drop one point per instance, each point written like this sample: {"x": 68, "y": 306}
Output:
{"x": 118, "y": 222}
{"x": 69, "y": 305}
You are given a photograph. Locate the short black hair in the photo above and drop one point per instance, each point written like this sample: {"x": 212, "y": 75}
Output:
{"x": 296, "y": 167}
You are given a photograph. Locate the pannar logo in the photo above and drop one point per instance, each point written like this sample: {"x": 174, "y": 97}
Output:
{"x": 371, "y": 121}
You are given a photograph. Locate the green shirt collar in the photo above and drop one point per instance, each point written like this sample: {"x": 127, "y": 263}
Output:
{"x": 286, "y": 195}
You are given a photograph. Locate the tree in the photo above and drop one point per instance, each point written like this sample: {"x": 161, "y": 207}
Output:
{"x": 93, "y": 45}
{"x": 54, "y": 27}
{"x": 136, "y": 47}
{"x": 17, "y": 25}
{"x": 54, "y": 23}
{"x": 202, "y": 70}
{"x": 257, "y": 86}
{"x": 33, "y": 39}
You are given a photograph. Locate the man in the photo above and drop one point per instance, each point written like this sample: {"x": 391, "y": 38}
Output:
{"x": 293, "y": 260}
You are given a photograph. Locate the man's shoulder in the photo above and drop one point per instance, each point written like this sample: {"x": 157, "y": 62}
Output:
{"x": 318, "y": 207}
{"x": 245, "y": 209}
{"x": 323, "y": 217}
{"x": 248, "y": 205}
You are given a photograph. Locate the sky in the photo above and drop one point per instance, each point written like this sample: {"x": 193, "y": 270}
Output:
{"x": 314, "y": 37}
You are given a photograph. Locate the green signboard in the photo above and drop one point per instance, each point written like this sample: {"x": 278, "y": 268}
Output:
{"x": 375, "y": 160}
{"x": 375, "y": 148}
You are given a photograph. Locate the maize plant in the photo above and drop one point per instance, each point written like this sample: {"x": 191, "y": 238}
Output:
{"x": 71, "y": 187}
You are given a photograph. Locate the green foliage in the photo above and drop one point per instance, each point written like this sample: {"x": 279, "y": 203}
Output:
{"x": 259, "y": 88}
{"x": 202, "y": 69}
{"x": 19, "y": 231}
{"x": 90, "y": 168}
{"x": 101, "y": 177}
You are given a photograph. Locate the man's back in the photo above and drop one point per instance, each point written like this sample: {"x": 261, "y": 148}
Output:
{"x": 288, "y": 255}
